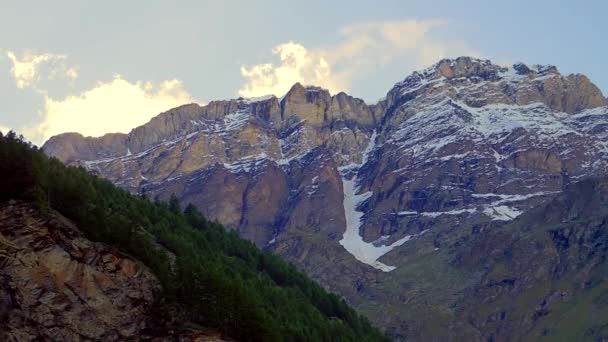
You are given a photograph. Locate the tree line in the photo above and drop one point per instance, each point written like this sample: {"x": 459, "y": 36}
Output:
{"x": 223, "y": 281}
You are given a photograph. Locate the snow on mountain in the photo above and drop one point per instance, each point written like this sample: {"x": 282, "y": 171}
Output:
{"x": 366, "y": 252}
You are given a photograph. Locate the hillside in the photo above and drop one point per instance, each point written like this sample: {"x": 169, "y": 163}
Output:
{"x": 155, "y": 260}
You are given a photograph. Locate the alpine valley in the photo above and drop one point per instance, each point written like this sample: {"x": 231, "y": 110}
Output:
{"x": 471, "y": 203}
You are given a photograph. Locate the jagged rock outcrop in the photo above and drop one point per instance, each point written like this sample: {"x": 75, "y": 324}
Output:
{"x": 358, "y": 195}
{"x": 318, "y": 107}
{"x": 57, "y": 285}
{"x": 310, "y": 104}
{"x": 346, "y": 107}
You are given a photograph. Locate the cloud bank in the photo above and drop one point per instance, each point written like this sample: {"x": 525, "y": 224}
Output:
{"x": 297, "y": 64}
{"x": 117, "y": 105}
{"x": 361, "y": 48}
{"x": 114, "y": 106}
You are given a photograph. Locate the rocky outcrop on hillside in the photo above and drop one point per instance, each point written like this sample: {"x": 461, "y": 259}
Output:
{"x": 57, "y": 285}
{"x": 361, "y": 196}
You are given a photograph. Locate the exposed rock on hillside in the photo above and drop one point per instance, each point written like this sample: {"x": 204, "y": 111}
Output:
{"x": 57, "y": 285}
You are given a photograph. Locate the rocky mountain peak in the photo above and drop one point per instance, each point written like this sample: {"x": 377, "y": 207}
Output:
{"x": 475, "y": 69}
{"x": 534, "y": 70}
{"x": 308, "y": 103}
{"x": 346, "y": 107}
{"x": 318, "y": 107}
{"x": 480, "y": 82}
{"x": 469, "y": 67}
{"x": 465, "y": 67}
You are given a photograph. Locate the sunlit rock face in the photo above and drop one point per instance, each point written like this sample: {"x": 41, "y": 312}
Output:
{"x": 355, "y": 194}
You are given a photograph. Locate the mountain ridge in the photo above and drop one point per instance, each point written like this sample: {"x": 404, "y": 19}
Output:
{"x": 453, "y": 150}
{"x": 447, "y": 68}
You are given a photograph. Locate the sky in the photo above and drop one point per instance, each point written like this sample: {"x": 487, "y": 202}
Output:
{"x": 96, "y": 67}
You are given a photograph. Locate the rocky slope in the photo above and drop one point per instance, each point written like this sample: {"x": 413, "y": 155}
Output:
{"x": 543, "y": 276}
{"x": 360, "y": 196}
{"x": 57, "y": 285}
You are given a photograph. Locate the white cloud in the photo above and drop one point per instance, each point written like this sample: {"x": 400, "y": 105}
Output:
{"x": 362, "y": 48}
{"x": 4, "y": 129}
{"x": 114, "y": 106}
{"x": 28, "y": 69}
{"x": 297, "y": 65}
{"x": 71, "y": 73}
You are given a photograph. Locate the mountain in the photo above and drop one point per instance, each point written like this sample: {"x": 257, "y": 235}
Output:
{"x": 375, "y": 201}
{"x": 84, "y": 260}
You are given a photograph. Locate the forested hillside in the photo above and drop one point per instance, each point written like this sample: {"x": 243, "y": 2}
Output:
{"x": 224, "y": 282}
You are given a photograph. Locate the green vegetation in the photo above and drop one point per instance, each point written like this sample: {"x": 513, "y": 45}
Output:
{"x": 223, "y": 281}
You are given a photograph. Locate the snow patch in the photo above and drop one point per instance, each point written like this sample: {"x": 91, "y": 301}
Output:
{"x": 502, "y": 213}
{"x": 496, "y": 210}
{"x": 505, "y": 198}
{"x": 246, "y": 164}
{"x": 366, "y": 252}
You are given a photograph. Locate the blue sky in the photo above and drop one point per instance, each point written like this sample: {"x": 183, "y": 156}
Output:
{"x": 96, "y": 67}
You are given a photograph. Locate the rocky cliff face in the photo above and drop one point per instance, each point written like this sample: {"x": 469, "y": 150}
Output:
{"x": 57, "y": 285}
{"x": 358, "y": 195}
